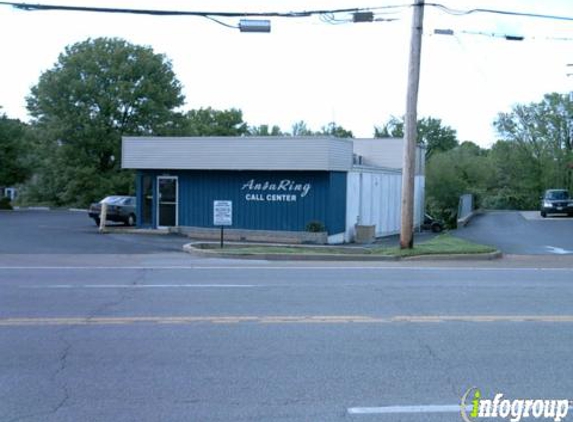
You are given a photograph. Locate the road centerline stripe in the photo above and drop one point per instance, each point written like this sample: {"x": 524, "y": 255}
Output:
{"x": 138, "y": 286}
{"x": 285, "y": 319}
{"x": 284, "y": 268}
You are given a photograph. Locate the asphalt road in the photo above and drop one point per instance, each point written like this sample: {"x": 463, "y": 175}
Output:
{"x": 266, "y": 343}
{"x": 523, "y": 233}
{"x": 163, "y": 336}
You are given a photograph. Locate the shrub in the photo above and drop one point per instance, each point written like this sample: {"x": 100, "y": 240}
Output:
{"x": 5, "y": 203}
{"x": 315, "y": 226}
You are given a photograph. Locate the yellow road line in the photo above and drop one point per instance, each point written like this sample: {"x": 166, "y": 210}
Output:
{"x": 277, "y": 319}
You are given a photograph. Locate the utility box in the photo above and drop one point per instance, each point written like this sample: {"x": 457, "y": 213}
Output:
{"x": 365, "y": 234}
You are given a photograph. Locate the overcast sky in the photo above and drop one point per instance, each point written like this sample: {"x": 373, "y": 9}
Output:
{"x": 306, "y": 69}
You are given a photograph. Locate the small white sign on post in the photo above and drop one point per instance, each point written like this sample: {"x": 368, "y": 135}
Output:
{"x": 222, "y": 213}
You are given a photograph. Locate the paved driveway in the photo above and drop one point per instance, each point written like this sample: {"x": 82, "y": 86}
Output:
{"x": 515, "y": 232}
{"x": 68, "y": 232}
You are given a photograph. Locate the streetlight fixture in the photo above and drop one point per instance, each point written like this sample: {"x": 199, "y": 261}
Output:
{"x": 254, "y": 25}
{"x": 363, "y": 17}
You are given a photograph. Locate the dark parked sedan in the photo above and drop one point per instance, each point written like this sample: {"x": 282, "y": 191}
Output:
{"x": 556, "y": 201}
{"x": 119, "y": 209}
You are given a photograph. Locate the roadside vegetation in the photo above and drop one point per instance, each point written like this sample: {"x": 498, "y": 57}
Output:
{"x": 444, "y": 244}
{"x": 102, "y": 89}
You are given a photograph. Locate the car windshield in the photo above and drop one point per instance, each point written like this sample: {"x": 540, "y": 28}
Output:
{"x": 114, "y": 200}
{"x": 558, "y": 194}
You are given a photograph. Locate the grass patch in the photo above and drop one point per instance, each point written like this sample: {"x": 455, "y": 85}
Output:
{"x": 444, "y": 244}
{"x": 304, "y": 250}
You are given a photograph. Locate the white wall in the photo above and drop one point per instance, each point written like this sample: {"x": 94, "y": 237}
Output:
{"x": 374, "y": 198}
{"x": 387, "y": 153}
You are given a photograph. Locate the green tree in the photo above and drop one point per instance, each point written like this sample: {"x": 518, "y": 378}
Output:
{"x": 97, "y": 91}
{"x": 432, "y": 133}
{"x": 265, "y": 130}
{"x": 542, "y": 133}
{"x": 450, "y": 174}
{"x": 518, "y": 178}
{"x": 14, "y": 161}
{"x": 332, "y": 129}
{"x": 393, "y": 128}
{"x": 211, "y": 122}
{"x": 301, "y": 129}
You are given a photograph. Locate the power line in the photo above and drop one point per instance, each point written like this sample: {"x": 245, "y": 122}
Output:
{"x": 221, "y": 22}
{"x": 327, "y": 15}
{"x": 507, "y": 37}
{"x": 457, "y": 12}
{"x": 159, "y": 12}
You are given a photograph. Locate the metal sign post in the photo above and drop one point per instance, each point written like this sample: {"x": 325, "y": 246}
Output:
{"x": 222, "y": 215}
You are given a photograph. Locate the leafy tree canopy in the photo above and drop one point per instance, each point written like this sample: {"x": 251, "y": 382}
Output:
{"x": 265, "y": 130}
{"x": 97, "y": 91}
{"x": 431, "y": 133}
{"x": 393, "y": 128}
{"x": 301, "y": 129}
{"x": 535, "y": 153}
{"x": 14, "y": 167}
{"x": 450, "y": 174}
{"x": 332, "y": 129}
{"x": 541, "y": 134}
{"x": 210, "y": 122}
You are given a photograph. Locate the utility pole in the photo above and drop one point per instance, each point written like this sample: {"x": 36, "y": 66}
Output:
{"x": 410, "y": 128}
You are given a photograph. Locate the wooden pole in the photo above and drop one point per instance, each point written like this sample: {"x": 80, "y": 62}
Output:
{"x": 410, "y": 129}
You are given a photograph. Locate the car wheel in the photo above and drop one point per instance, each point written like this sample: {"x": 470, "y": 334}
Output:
{"x": 436, "y": 228}
{"x": 543, "y": 214}
{"x": 130, "y": 220}
{"x": 97, "y": 221}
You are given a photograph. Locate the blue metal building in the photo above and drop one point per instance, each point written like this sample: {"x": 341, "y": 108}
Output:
{"x": 274, "y": 184}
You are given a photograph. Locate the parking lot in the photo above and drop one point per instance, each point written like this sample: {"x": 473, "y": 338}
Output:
{"x": 69, "y": 232}
{"x": 521, "y": 233}
{"x": 536, "y": 216}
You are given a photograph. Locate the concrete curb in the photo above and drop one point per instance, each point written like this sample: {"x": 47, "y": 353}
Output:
{"x": 31, "y": 208}
{"x": 126, "y": 230}
{"x": 217, "y": 253}
{"x": 18, "y": 208}
{"x": 466, "y": 220}
{"x": 489, "y": 256}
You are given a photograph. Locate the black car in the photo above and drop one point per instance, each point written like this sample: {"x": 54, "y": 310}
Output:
{"x": 120, "y": 209}
{"x": 556, "y": 201}
{"x": 431, "y": 223}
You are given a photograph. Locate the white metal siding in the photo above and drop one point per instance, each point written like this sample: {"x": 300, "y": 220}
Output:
{"x": 374, "y": 198}
{"x": 233, "y": 153}
{"x": 386, "y": 152}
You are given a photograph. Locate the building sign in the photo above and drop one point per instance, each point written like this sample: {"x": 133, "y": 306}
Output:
{"x": 285, "y": 190}
{"x": 222, "y": 213}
